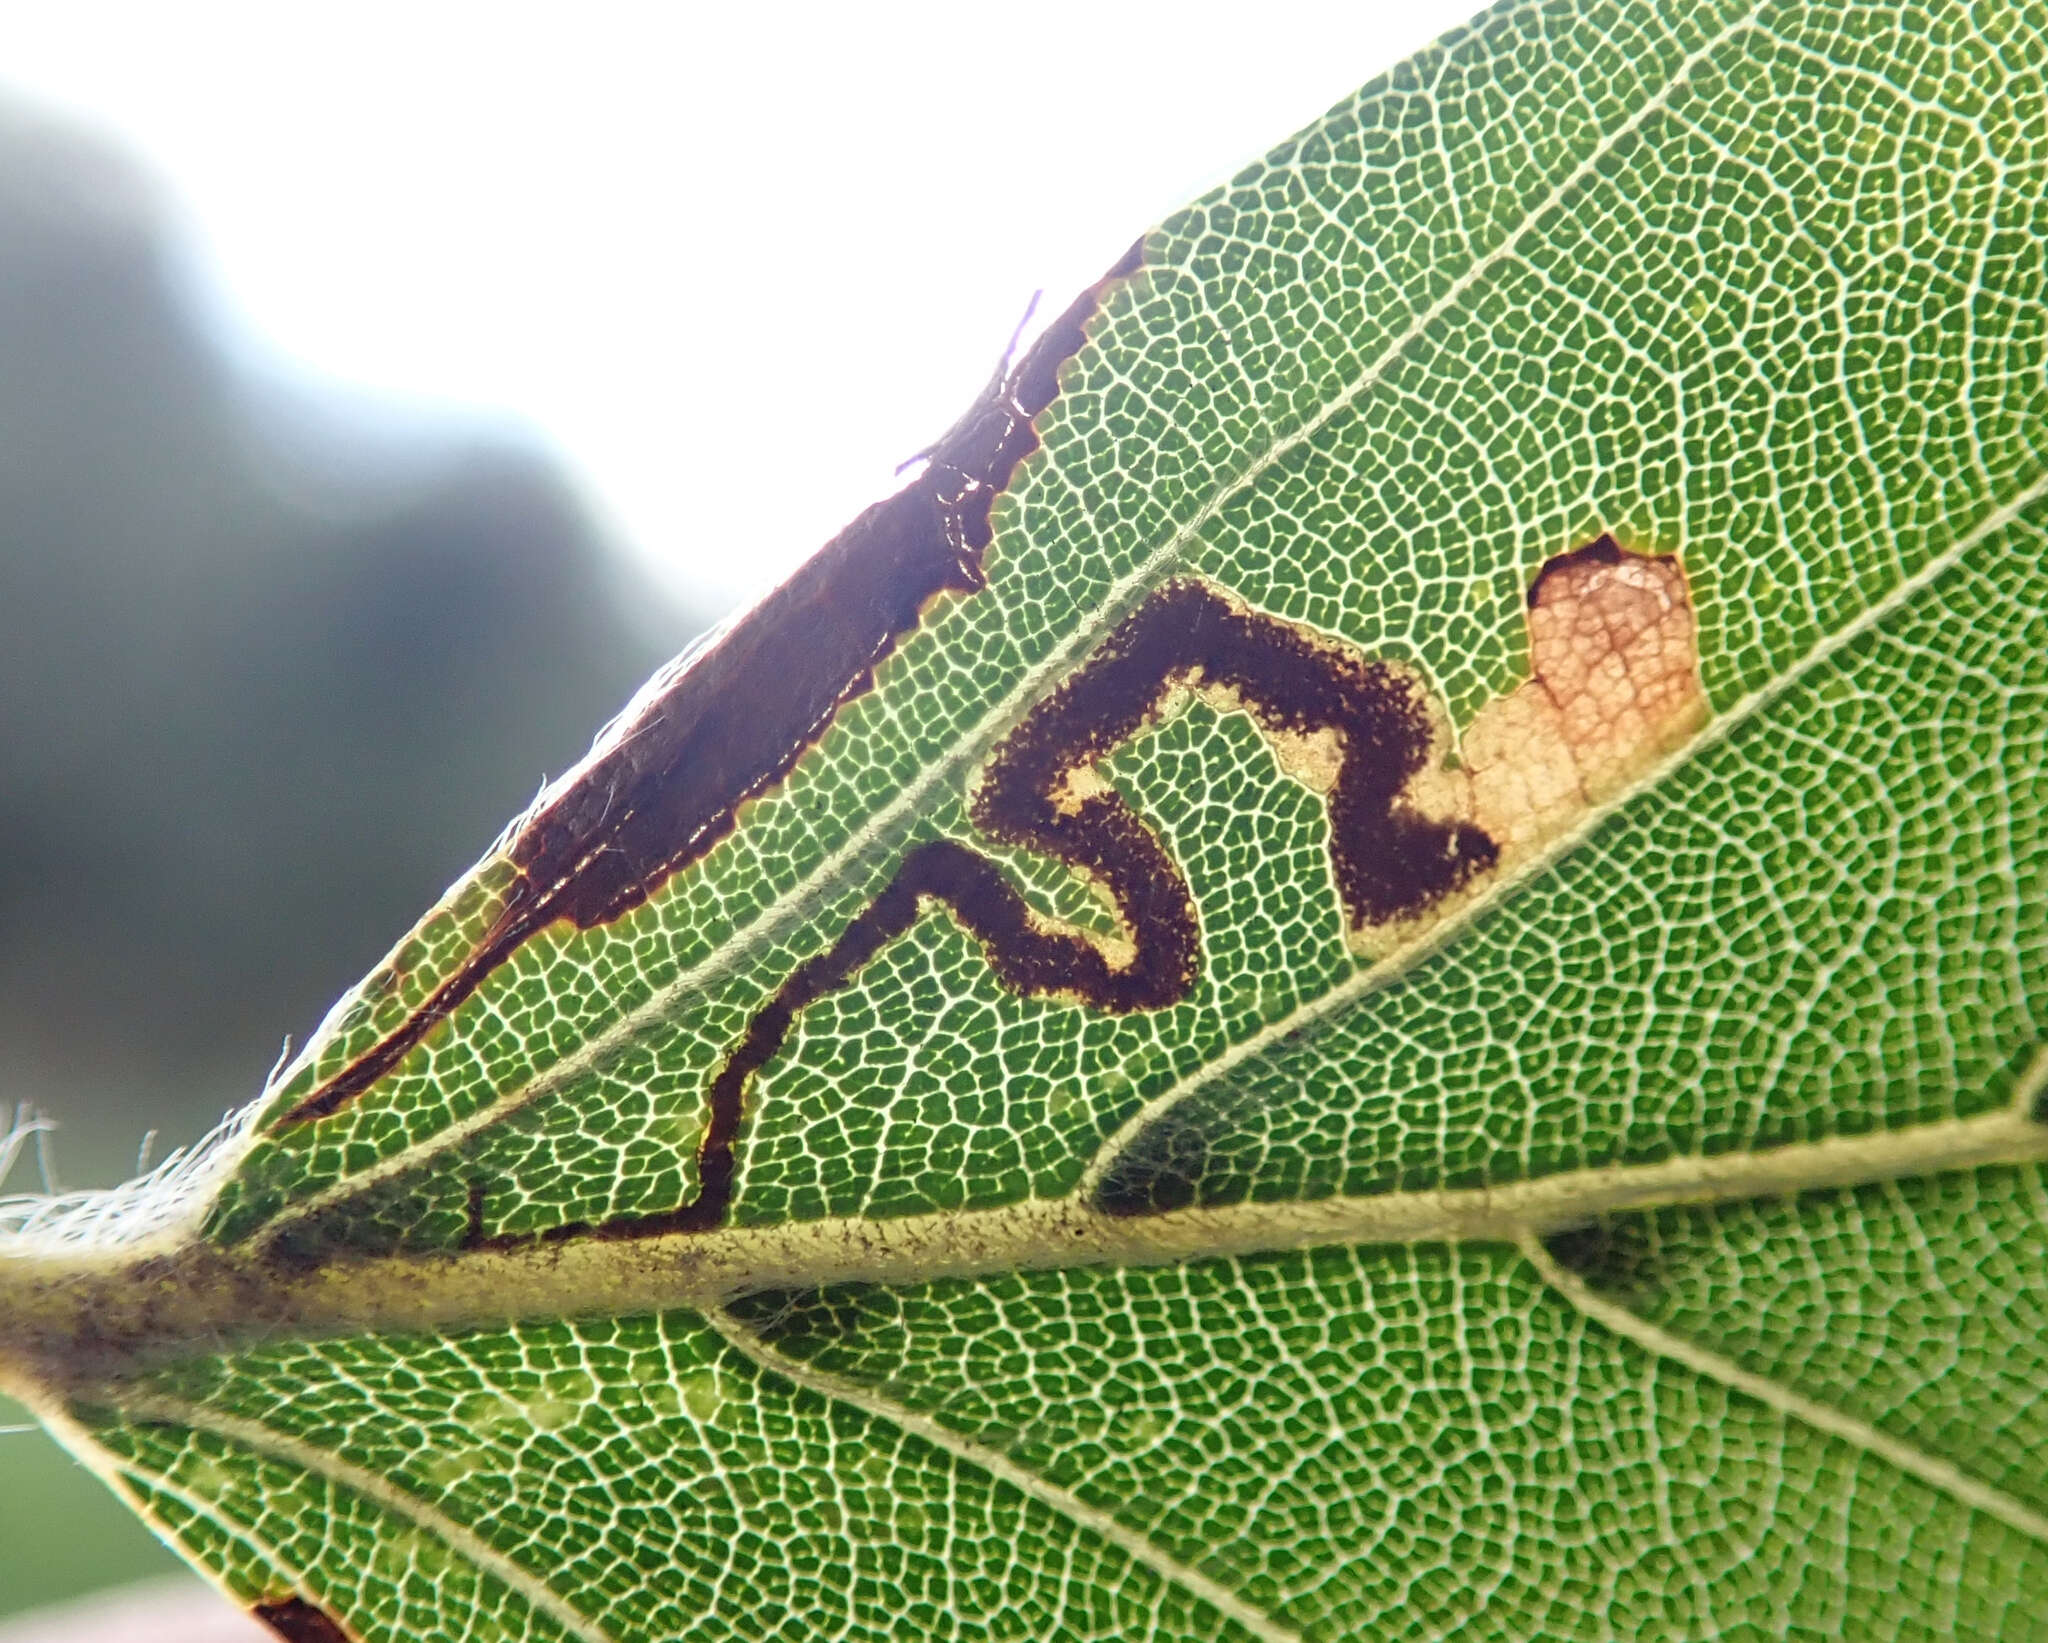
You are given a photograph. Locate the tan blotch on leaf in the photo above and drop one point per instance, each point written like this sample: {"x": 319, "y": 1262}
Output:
{"x": 1614, "y": 686}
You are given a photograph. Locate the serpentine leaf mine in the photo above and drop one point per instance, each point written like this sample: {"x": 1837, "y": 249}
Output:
{"x": 726, "y": 723}
{"x": 1614, "y": 685}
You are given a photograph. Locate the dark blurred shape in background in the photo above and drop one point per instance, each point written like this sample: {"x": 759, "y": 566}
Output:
{"x": 276, "y": 663}
{"x": 261, "y": 697}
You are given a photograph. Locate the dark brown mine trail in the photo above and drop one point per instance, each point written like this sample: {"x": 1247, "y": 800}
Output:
{"x": 297, "y": 1621}
{"x": 730, "y": 722}
{"x": 1390, "y": 862}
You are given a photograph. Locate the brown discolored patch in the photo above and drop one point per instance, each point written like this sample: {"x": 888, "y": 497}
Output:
{"x": 298, "y": 1621}
{"x": 803, "y": 1323}
{"x": 1619, "y": 1256}
{"x": 1162, "y": 1170}
{"x": 725, "y": 724}
{"x": 1372, "y": 727}
{"x": 1614, "y": 686}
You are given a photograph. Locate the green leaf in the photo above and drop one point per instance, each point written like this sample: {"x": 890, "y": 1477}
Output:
{"x": 1374, "y": 966}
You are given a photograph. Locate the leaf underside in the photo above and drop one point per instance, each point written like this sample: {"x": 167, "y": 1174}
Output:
{"x": 1746, "y": 298}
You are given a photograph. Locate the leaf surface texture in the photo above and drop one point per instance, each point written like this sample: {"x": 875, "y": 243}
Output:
{"x": 1721, "y": 1084}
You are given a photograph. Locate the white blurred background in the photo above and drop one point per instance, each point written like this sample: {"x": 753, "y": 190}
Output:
{"x": 734, "y": 262}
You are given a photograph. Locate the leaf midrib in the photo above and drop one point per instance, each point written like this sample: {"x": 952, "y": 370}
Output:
{"x": 467, "y": 1541}
{"x": 79, "y": 1324}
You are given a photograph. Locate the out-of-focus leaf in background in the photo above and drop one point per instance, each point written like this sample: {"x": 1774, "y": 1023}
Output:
{"x": 272, "y": 661}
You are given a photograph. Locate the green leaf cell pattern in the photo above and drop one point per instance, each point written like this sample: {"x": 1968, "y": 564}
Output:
{"x": 1646, "y": 1243}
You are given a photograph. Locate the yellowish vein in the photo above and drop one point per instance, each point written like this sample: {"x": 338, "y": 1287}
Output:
{"x": 1104, "y": 1525}
{"x": 1936, "y": 1473}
